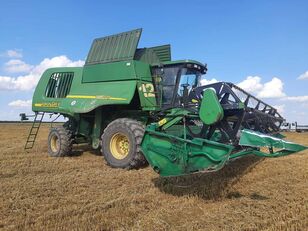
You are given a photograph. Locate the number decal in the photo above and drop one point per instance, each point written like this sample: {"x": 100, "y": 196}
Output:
{"x": 147, "y": 89}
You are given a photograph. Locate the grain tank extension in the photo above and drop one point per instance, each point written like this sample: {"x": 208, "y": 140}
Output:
{"x": 138, "y": 106}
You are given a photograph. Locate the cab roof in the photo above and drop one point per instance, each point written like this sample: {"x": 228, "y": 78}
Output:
{"x": 184, "y": 61}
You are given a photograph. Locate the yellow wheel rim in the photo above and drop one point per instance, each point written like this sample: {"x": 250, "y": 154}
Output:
{"x": 119, "y": 146}
{"x": 54, "y": 143}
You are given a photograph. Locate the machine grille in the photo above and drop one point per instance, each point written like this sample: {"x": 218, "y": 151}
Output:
{"x": 59, "y": 84}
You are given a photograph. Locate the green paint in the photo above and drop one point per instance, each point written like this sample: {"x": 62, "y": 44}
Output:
{"x": 114, "y": 48}
{"x": 97, "y": 128}
{"x": 211, "y": 110}
{"x": 256, "y": 139}
{"x": 109, "y": 72}
{"x": 170, "y": 155}
{"x": 174, "y": 153}
{"x": 85, "y": 96}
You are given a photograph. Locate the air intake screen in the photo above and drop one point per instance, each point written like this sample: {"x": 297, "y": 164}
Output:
{"x": 59, "y": 84}
{"x": 114, "y": 48}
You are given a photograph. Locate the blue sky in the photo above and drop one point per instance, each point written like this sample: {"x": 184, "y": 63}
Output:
{"x": 260, "y": 45}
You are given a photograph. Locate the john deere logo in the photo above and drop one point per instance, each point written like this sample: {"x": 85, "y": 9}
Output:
{"x": 51, "y": 104}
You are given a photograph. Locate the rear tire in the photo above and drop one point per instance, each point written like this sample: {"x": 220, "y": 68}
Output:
{"x": 60, "y": 142}
{"x": 121, "y": 143}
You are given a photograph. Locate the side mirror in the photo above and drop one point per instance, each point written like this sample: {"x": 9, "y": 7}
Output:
{"x": 23, "y": 117}
{"x": 205, "y": 70}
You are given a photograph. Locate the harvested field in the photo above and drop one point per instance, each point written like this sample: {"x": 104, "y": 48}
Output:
{"x": 38, "y": 192}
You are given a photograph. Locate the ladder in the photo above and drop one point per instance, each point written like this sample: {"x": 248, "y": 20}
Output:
{"x": 34, "y": 130}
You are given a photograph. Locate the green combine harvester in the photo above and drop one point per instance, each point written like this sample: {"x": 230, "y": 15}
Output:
{"x": 140, "y": 107}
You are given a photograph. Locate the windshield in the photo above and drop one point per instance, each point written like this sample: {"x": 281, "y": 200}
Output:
{"x": 190, "y": 78}
{"x": 171, "y": 81}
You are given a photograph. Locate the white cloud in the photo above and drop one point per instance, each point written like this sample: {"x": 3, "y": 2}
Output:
{"x": 58, "y": 61}
{"x": 298, "y": 99}
{"x": 16, "y": 53}
{"x": 252, "y": 84}
{"x": 17, "y": 66}
{"x": 280, "y": 108}
{"x": 205, "y": 81}
{"x": 20, "y": 103}
{"x": 303, "y": 76}
{"x": 29, "y": 81}
{"x": 271, "y": 89}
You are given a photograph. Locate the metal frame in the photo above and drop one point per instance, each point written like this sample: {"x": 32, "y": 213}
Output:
{"x": 241, "y": 110}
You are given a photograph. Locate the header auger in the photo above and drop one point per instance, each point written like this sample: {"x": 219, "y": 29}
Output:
{"x": 139, "y": 106}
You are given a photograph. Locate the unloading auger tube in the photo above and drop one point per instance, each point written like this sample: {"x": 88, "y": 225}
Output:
{"x": 214, "y": 124}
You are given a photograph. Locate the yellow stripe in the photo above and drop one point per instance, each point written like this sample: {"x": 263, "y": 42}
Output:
{"x": 113, "y": 98}
{"x": 94, "y": 97}
{"x": 81, "y": 96}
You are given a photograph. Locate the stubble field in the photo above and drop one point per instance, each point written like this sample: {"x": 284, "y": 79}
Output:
{"x": 81, "y": 192}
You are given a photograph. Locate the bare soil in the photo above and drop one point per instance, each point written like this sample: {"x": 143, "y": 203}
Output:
{"x": 38, "y": 192}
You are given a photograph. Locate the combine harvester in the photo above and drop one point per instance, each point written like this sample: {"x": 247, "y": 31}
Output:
{"x": 138, "y": 106}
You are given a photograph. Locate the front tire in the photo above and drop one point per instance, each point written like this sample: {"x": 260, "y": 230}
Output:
{"x": 121, "y": 143}
{"x": 60, "y": 142}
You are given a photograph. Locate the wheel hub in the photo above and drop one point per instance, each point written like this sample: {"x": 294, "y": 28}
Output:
{"x": 54, "y": 143}
{"x": 119, "y": 146}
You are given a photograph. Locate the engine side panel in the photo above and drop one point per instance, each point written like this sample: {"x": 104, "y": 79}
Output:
{"x": 81, "y": 97}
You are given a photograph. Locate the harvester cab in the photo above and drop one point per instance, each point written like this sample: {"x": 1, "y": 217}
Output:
{"x": 139, "y": 107}
{"x": 174, "y": 80}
